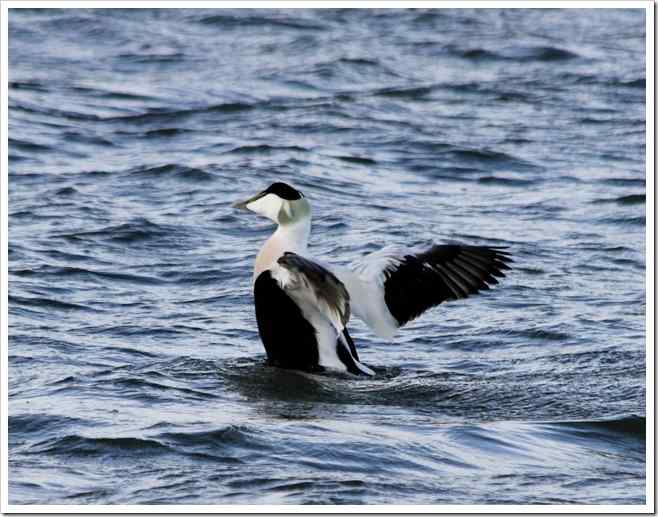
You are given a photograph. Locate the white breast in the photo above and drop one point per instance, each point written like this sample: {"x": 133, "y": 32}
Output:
{"x": 288, "y": 237}
{"x": 268, "y": 255}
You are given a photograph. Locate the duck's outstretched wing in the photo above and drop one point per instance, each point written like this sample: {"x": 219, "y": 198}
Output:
{"x": 393, "y": 286}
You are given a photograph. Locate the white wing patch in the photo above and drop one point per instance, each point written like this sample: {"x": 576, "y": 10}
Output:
{"x": 365, "y": 283}
{"x": 373, "y": 267}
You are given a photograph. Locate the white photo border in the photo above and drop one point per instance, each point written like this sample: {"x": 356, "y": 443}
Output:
{"x": 647, "y": 508}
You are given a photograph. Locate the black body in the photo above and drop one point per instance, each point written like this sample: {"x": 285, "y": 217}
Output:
{"x": 290, "y": 340}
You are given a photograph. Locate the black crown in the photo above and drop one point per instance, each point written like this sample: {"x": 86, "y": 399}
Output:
{"x": 284, "y": 191}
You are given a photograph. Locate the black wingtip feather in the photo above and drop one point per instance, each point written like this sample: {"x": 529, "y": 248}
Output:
{"x": 444, "y": 272}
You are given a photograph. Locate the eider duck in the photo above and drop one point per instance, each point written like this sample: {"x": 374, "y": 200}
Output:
{"x": 303, "y": 307}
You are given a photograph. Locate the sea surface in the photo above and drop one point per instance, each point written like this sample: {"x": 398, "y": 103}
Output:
{"x": 136, "y": 374}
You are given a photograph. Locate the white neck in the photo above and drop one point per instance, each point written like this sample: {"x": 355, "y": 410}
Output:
{"x": 287, "y": 237}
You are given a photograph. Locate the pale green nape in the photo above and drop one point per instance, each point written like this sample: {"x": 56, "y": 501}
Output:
{"x": 295, "y": 211}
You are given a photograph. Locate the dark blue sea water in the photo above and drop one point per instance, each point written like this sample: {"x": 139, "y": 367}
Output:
{"x": 136, "y": 374}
